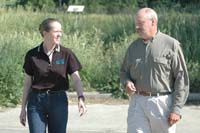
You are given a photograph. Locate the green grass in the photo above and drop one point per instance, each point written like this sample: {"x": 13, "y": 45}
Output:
{"x": 99, "y": 41}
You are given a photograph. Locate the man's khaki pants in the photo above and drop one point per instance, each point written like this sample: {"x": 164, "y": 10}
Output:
{"x": 149, "y": 114}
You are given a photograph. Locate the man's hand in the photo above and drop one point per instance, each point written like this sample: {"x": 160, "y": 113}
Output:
{"x": 173, "y": 118}
{"x": 130, "y": 87}
{"x": 81, "y": 107}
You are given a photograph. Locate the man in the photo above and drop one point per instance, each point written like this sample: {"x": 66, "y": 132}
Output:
{"x": 154, "y": 73}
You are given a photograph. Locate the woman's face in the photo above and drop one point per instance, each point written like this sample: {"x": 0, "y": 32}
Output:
{"x": 54, "y": 35}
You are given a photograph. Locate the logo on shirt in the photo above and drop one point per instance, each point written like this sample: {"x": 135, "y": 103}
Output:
{"x": 60, "y": 61}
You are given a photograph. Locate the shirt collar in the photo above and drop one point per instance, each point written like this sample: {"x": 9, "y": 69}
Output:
{"x": 41, "y": 49}
{"x": 153, "y": 38}
{"x": 156, "y": 35}
{"x": 57, "y": 48}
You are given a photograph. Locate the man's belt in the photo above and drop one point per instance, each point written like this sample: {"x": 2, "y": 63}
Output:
{"x": 144, "y": 93}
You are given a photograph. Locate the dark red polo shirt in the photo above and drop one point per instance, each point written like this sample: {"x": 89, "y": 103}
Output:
{"x": 51, "y": 75}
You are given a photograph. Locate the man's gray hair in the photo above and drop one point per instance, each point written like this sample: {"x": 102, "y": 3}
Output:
{"x": 149, "y": 13}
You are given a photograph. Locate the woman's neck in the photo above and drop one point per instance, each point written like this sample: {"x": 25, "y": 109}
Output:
{"x": 48, "y": 47}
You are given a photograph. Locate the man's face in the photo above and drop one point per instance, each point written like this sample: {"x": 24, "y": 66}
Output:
{"x": 54, "y": 35}
{"x": 143, "y": 27}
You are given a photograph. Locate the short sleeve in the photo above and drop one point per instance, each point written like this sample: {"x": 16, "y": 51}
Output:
{"x": 73, "y": 64}
{"x": 28, "y": 65}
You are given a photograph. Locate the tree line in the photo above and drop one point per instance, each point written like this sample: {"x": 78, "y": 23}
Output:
{"x": 107, "y": 6}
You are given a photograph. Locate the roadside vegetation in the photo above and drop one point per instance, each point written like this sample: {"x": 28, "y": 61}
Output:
{"x": 99, "y": 41}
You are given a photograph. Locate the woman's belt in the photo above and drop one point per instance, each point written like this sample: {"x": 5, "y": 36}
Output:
{"x": 47, "y": 90}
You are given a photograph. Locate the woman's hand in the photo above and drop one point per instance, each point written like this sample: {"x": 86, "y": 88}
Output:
{"x": 22, "y": 117}
{"x": 81, "y": 107}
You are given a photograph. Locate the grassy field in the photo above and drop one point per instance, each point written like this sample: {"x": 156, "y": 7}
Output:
{"x": 99, "y": 41}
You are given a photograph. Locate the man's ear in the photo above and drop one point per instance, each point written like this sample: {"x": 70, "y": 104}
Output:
{"x": 154, "y": 22}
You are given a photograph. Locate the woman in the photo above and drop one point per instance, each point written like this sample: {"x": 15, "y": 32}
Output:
{"x": 47, "y": 67}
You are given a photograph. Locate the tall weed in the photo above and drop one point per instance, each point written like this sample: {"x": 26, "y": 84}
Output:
{"x": 99, "y": 41}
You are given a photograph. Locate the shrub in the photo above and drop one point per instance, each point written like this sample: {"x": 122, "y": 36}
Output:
{"x": 37, "y": 4}
{"x": 194, "y": 72}
{"x": 11, "y": 58}
{"x": 99, "y": 41}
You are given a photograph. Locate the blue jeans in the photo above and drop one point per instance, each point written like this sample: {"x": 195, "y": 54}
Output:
{"x": 47, "y": 109}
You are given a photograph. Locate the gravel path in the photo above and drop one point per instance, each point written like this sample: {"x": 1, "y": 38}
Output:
{"x": 100, "y": 118}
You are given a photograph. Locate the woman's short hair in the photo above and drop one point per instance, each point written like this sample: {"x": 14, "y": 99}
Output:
{"x": 45, "y": 25}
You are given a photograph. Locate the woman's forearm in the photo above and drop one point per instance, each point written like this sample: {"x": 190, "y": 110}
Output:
{"x": 26, "y": 90}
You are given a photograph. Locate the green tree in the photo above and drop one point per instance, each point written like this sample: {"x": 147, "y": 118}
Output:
{"x": 37, "y": 4}
{"x": 106, "y": 6}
